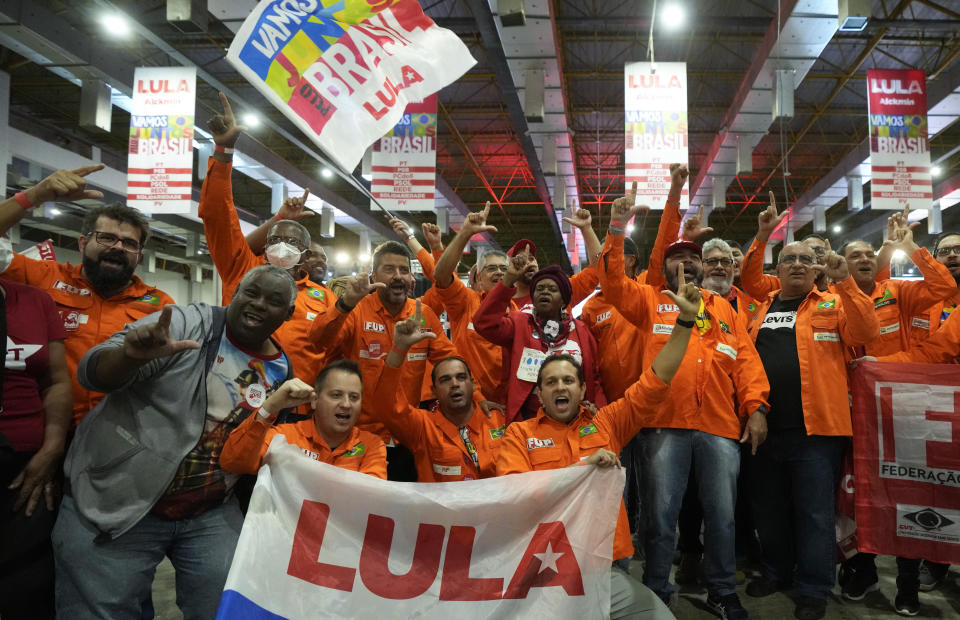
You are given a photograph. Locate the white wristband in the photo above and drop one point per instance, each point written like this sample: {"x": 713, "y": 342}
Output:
{"x": 264, "y": 414}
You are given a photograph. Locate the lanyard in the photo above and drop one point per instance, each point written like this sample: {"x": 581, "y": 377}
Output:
{"x": 471, "y": 449}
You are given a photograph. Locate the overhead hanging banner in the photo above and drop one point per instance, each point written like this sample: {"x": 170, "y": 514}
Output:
{"x": 655, "y": 110}
{"x": 344, "y": 70}
{"x": 404, "y": 162}
{"x": 906, "y": 447}
{"x": 323, "y": 542}
{"x": 899, "y": 148}
{"x": 160, "y": 159}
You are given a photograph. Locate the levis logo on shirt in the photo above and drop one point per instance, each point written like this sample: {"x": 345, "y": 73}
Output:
{"x": 777, "y": 320}
{"x": 60, "y": 285}
{"x": 533, "y": 443}
{"x": 373, "y": 326}
{"x": 603, "y": 316}
{"x": 668, "y": 308}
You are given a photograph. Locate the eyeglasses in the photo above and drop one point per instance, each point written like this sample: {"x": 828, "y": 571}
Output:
{"x": 109, "y": 240}
{"x": 790, "y": 259}
{"x": 294, "y": 241}
{"x": 713, "y": 262}
{"x": 945, "y": 252}
{"x": 495, "y": 268}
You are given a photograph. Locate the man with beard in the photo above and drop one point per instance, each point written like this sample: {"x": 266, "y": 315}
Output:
{"x": 285, "y": 244}
{"x": 360, "y": 327}
{"x": 99, "y": 296}
{"x": 699, "y": 424}
{"x": 719, "y": 275}
{"x": 457, "y": 441}
{"x": 144, "y": 469}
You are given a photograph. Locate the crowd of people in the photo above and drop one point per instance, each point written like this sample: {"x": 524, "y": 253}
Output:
{"x": 132, "y": 426}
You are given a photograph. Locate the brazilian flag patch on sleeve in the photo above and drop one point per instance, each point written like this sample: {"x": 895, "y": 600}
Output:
{"x": 316, "y": 293}
{"x": 497, "y": 433}
{"x": 357, "y": 450}
{"x": 827, "y": 305}
{"x": 150, "y": 299}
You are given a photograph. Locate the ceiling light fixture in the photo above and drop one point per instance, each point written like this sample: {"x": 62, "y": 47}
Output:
{"x": 116, "y": 24}
{"x": 342, "y": 258}
{"x": 327, "y": 173}
{"x": 838, "y": 229}
{"x": 251, "y": 120}
{"x": 672, "y": 17}
{"x": 935, "y": 171}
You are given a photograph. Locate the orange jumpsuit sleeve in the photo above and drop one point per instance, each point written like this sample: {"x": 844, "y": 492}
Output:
{"x": 667, "y": 232}
{"x": 753, "y": 388}
{"x": 229, "y": 251}
{"x": 456, "y": 299}
{"x": 583, "y": 284}
{"x": 440, "y": 347}
{"x": 391, "y": 408}
{"x": 512, "y": 456}
{"x": 426, "y": 261}
{"x": 431, "y": 298}
{"x": 491, "y": 320}
{"x": 623, "y": 293}
{"x": 858, "y": 318}
{"x": 625, "y": 417}
{"x": 937, "y": 284}
{"x": 752, "y": 279}
{"x": 244, "y": 449}
{"x": 375, "y": 458}
{"x": 39, "y": 273}
{"x": 333, "y": 332}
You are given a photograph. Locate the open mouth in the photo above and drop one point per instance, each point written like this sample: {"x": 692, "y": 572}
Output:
{"x": 561, "y": 400}
{"x": 113, "y": 261}
{"x": 342, "y": 417}
{"x": 251, "y": 319}
{"x": 544, "y": 299}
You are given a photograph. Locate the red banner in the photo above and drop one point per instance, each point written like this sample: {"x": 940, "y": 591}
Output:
{"x": 899, "y": 146}
{"x": 906, "y": 428}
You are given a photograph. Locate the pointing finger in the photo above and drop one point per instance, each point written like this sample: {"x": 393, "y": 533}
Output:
{"x": 681, "y": 279}
{"x": 700, "y": 213}
{"x": 486, "y": 210}
{"x": 83, "y": 171}
{"x": 633, "y": 190}
{"x": 773, "y": 201}
{"x": 419, "y": 310}
{"x": 227, "y": 110}
{"x": 306, "y": 192}
{"x": 165, "y": 315}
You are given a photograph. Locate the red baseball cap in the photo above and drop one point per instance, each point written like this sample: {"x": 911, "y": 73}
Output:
{"x": 682, "y": 244}
{"x": 520, "y": 246}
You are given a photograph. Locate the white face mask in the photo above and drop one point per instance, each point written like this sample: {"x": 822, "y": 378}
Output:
{"x": 282, "y": 255}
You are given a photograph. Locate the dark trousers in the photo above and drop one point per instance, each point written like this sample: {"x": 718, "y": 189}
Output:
{"x": 26, "y": 554}
{"x": 794, "y": 495}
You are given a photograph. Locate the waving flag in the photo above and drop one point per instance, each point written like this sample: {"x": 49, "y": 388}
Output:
{"x": 325, "y": 542}
{"x": 344, "y": 70}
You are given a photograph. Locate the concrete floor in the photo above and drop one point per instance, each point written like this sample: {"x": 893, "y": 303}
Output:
{"x": 944, "y": 602}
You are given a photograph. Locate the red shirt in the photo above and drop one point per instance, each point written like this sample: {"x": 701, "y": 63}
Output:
{"x": 32, "y": 322}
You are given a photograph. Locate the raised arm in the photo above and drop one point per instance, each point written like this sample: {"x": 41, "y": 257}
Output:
{"x": 583, "y": 221}
{"x": 65, "y": 185}
{"x": 142, "y": 343}
{"x": 942, "y": 347}
{"x": 754, "y": 282}
{"x": 293, "y": 208}
{"x": 335, "y": 325}
{"x": 624, "y": 293}
{"x": 245, "y": 447}
{"x": 228, "y": 247}
{"x": 669, "y": 225}
{"x": 858, "y": 318}
{"x": 474, "y": 223}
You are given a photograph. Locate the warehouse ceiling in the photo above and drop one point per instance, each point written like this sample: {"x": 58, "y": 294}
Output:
{"x": 487, "y": 151}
